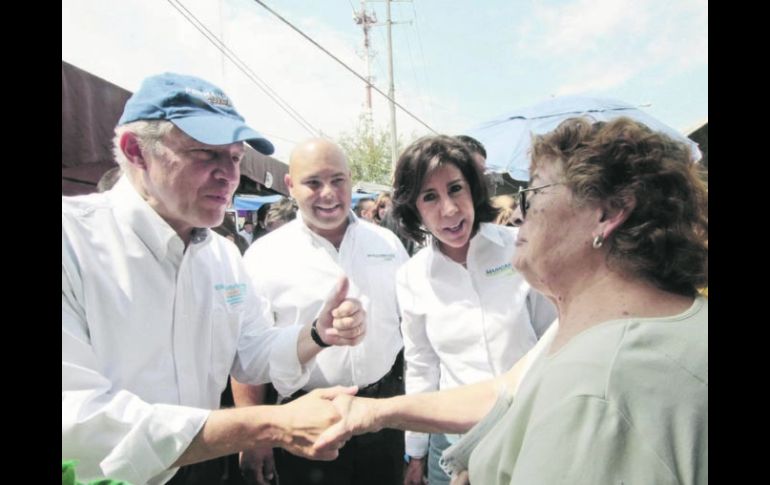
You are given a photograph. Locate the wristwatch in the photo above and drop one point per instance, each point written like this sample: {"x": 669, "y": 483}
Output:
{"x": 408, "y": 458}
{"x": 317, "y": 338}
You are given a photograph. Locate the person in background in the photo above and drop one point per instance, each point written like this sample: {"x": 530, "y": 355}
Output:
{"x": 365, "y": 209}
{"x": 227, "y": 229}
{"x": 157, "y": 309}
{"x": 281, "y": 212}
{"x": 259, "y": 227}
{"x": 506, "y": 205}
{"x": 466, "y": 315}
{"x": 247, "y": 232}
{"x": 385, "y": 215}
{"x": 294, "y": 267}
{"x": 615, "y": 231}
{"x": 382, "y": 206}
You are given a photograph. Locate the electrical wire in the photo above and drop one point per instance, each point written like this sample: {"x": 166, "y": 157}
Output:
{"x": 352, "y": 71}
{"x": 243, "y": 67}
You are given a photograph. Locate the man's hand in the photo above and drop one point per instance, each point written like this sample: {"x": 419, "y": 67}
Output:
{"x": 304, "y": 419}
{"x": 415, "y": 472}
{"x": 342, "y": 319}
{"x": 257, "y": 465}
{"x": 358, "y": 417}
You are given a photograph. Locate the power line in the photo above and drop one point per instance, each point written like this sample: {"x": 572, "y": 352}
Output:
{"x": 422, "y": 54}
{"x": 411, "y": 62}
{"x": 244, "y": 68}
{"x": 344, "y": 65}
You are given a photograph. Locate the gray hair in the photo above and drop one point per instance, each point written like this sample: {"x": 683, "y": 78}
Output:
{"x": 148, "y": 132}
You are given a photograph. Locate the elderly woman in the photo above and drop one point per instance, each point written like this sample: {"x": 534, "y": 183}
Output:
{"x": 615, "y": 232}
{"x": 466, "y": 316}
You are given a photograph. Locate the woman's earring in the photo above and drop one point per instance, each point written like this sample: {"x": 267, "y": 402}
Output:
{"x": 598, "y": 241}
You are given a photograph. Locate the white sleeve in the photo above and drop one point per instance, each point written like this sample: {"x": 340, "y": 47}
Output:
{"x": 110, "y": 431}
{"x": 422, "y": 364}
{"x": 262, "y": 342}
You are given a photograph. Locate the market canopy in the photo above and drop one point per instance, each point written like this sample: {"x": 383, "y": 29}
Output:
{"x": 507, "y": 138}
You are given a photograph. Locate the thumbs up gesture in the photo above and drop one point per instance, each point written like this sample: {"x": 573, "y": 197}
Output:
{"x": 342, "y": 319}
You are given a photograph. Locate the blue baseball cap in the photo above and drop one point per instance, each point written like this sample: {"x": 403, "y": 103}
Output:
{"x": 198, "y": 108}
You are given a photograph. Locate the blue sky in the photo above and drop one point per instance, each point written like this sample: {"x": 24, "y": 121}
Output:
{"x": 456, "y": 64}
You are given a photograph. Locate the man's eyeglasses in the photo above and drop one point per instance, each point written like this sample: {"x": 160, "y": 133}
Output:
{"x": 524, "y": 203}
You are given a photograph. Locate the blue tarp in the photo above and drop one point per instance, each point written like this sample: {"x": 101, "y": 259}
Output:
{"x": 254, "y": 202}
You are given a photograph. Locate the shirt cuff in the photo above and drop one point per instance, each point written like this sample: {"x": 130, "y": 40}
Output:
{"x": 416, "y": 444}
{"x": 286, "y": 372}
{"x": 154, "y": 443}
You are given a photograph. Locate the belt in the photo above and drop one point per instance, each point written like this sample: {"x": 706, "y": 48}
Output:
{"x": 374, "y": 389}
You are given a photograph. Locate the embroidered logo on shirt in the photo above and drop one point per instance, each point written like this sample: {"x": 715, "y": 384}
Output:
{"x": 503, "y": 269}
{"x": 382, "y": 256}
{"x": 233, "y": 294}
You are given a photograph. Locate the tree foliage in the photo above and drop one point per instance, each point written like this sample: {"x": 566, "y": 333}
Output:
{"x": 368, "y": 151}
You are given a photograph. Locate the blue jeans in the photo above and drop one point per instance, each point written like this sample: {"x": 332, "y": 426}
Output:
{"x": 436, "y": 476}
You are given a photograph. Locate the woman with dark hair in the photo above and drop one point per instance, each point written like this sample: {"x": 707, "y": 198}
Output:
{"x": 466, "y": 316}
{"x": 615, "y": 231}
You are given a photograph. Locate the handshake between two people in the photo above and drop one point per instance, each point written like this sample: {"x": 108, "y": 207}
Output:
{"x": 322, "y": 421}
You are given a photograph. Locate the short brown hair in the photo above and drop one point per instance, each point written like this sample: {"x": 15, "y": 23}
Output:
{"x": 665, "y": 238}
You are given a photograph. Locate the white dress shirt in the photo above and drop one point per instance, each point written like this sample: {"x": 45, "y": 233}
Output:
{"x": 150, "y": 332}
{"x": 463, "y": 326}
{"x": 295, "y": 270}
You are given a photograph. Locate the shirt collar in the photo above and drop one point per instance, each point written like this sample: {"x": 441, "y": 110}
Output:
{"x": 491, "y": 232}
{"x": 149, "y": 226}
{"x": 352, "y": 221}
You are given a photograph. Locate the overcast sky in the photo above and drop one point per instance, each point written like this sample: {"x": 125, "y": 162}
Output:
{"x": 456, "y": 63}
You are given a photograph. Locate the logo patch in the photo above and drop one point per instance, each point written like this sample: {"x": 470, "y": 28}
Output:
{"x": 503, "y": 269}
{"x": 382, "y": 256}
{"x": 233, "y": 294}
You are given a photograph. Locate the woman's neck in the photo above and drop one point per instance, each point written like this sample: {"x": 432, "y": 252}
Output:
{"x": 606, "y": 296}
{"x": 458, "y": 255}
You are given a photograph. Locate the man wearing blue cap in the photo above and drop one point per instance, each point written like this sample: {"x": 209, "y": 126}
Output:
{"x": 157, "y": 309}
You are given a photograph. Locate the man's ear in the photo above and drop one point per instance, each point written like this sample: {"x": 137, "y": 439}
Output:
{"x": 129, "y": 144}
{"x": 287, "y": 180}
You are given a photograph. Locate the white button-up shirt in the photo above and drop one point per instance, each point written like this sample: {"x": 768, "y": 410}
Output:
{"x": 150, "y": 333}
{"x": 295, "y": 270}
{"x": 461, "y": 325}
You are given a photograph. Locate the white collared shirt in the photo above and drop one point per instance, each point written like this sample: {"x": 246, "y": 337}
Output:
{"x": 295, "y": 270}
{"x": 150, "y": 333}
{"x": 463, "y": 326}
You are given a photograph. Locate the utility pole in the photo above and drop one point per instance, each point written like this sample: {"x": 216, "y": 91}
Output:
{"x": 363, "y": 19}
{"x": 391, "y": 95}
{"x": 391, "y": 88}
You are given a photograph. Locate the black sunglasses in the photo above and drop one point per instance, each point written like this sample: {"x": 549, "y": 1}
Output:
{"x": 522, "y": 193}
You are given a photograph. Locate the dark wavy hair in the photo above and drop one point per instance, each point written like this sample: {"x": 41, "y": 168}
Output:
{"x": 623, "y": 162}
{"x": 419, "y": 160}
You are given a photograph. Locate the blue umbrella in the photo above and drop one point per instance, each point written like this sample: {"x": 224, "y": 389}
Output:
{"x": 507, "y": 138}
